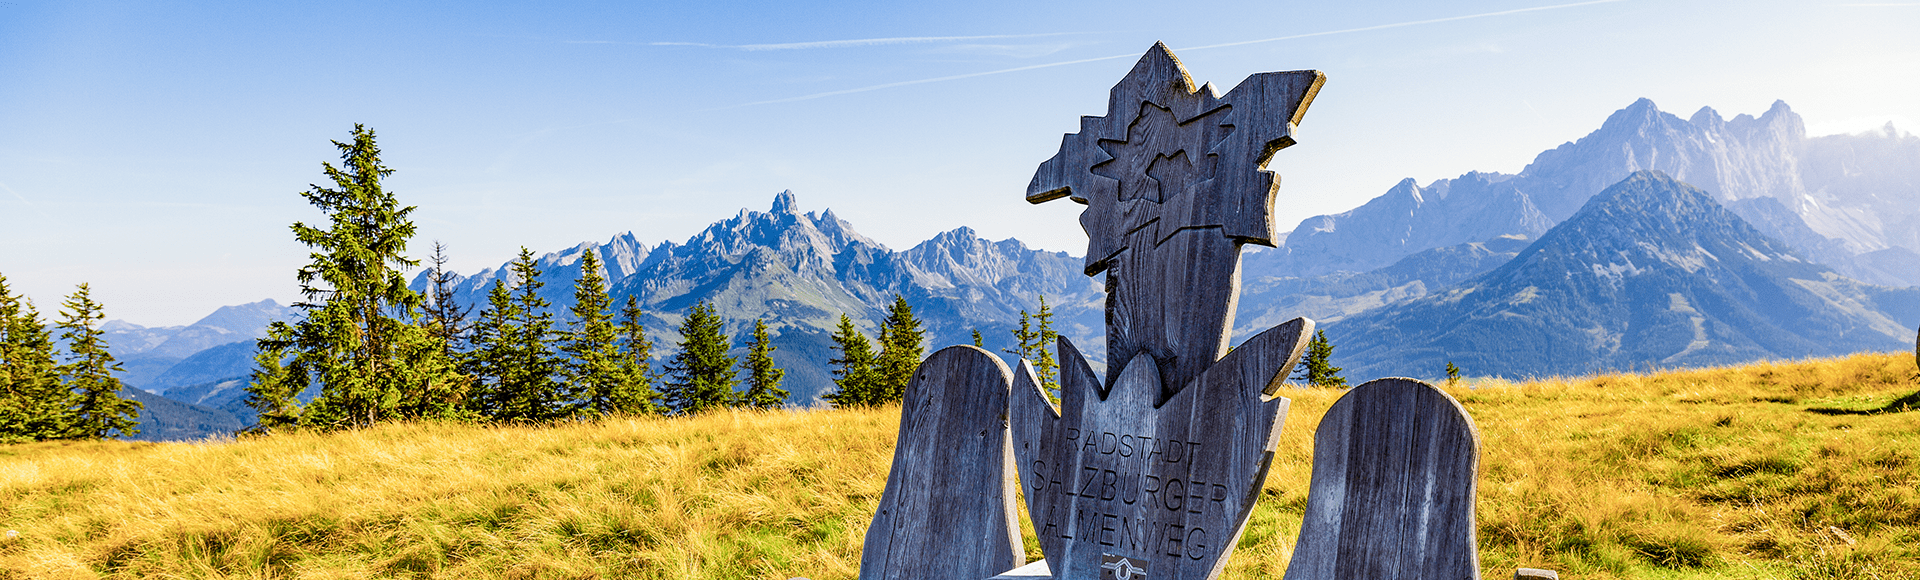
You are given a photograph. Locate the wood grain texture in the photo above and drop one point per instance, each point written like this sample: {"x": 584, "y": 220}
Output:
{"x": 948, "y": 509}
{"x": 1115, "y": 471}
{"x": 1174, "y": 182}
{"x": 1395, "y": 467}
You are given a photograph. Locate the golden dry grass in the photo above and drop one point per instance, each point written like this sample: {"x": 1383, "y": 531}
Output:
{"x": 1691, "y": 474}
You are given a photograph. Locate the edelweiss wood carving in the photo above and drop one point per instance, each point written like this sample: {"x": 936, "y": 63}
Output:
{"x": 1152, "y": 471}
{"x": 1173, "y": 181}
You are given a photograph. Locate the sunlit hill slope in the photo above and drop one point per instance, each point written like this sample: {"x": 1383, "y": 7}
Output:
{"x": 1788, "y": 469}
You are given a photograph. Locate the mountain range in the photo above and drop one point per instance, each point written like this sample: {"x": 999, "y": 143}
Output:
{"x": 1850, "y": 201}
{"x": 1651, "y": 272}
{"x": 800, "y": 272}
{"x": 1785, "y": 235}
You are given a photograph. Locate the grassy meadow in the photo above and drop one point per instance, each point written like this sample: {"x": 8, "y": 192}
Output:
{"x": 1775, "y": 470}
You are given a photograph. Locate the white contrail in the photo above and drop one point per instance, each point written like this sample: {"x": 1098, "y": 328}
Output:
{"x": 23, "y": 199}
{"x": 924, "y": 81}
{"x": 1401, "y": 24}
{"x": 832, "y": 43}
{"x": 1130, "y": 55}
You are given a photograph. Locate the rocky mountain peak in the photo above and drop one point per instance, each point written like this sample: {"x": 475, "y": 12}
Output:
{"x": 784, "y": 203}
{"x": 1651, "y": 218}
{"x": 1708, "y": 119}
{"x": 1642, "y": 113}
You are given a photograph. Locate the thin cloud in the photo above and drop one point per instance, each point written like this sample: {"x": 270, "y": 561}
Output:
{"x": 23, "y": 199}
{"x": 854, "y": 43}
{"x": 1187, "y": 49}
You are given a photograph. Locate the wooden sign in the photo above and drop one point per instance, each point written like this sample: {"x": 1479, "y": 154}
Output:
{"x": 1395, "y": 465}
{"x": 1151, "y": 472}
{"x": 948, "y": 509}
{"x": 1116, "y": 484}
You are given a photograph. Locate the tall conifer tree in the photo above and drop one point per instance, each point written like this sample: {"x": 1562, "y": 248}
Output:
{"x": 98, "y": 411}
{"x": 446, "y": 318}
{"x": 34, "y": 405}
{"x": 513, "y": 357}
{"x": 1024, "y": 338}
{"x": 853, "y": 371}
{"x": 900, "y": 352}
{"x": 1045, "y": 366}
{"x": 593, "y": 345}
{"x": 1316, "y": 368}
{"x": 356, "y": 339}
{"x": 636, "y": 394}
{"x": 701, "y": 376}
{"x": 763, "y": 378}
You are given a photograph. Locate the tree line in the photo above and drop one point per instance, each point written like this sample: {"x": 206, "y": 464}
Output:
{"x": 368, "y": 349}
{"x": 50, "y": 391}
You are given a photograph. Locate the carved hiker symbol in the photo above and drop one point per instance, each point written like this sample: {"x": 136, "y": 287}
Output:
{"x": 1122, "y": 568}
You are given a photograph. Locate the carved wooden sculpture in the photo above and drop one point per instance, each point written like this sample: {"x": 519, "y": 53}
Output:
{"x": 948, "y": 510}
{"x": 1395, "y": 464}
{"x": 1174, "y": 183}
{"x": 1152, "y": 472}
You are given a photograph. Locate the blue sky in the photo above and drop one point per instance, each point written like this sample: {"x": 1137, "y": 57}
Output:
{"x": 157, "y": 150}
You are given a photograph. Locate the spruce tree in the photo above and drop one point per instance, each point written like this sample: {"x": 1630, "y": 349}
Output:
{"x": 900, "y": 352}
{"x": 518, "y": 370}
{"x": 34, "y": 405}
{"x": 1316, "y": 368}
{"x": 979, "y": 341}
{"x": 763, "y": 378}
{"x": 98, "y": 412}
{"x": 1033, "y": 342}
{"x": 356, "y": 338}
{"x": 1453, "y": 374}
{"x": 593, "y": 345}
{"x": 1045, "y": 366}
{"x": 491, "y": 359}
{"x": 635, "y": 395}
{"x": 274, "y": 391}
{"x": 700, "y": 375}
{"x": 1024, "y": 338}
{"x": 446, "y": 319}
{"x": 853, "y": 372}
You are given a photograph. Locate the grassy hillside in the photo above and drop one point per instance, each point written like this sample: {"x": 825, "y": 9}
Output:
{"x": 1780, "y": 470}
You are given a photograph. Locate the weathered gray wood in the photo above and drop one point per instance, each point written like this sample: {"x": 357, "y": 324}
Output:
{"x": 1395, "y": 467}
{"x": 1535, "y": 574}
{"x": 1174, "y": 183}
{"x": 1115, "y": 477}
{"x": 948, "y": 509}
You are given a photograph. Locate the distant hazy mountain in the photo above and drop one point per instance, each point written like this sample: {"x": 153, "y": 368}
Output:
{"x": 1651, "y": 272}
{"x": 164, "y": 419}
{"x": 1850, "y": 201}
{"x": 148, "y": 353}
{"x": 1267, "y": 299}
{"x": 801, "y": 271}
{"x": 234, "y": 359}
